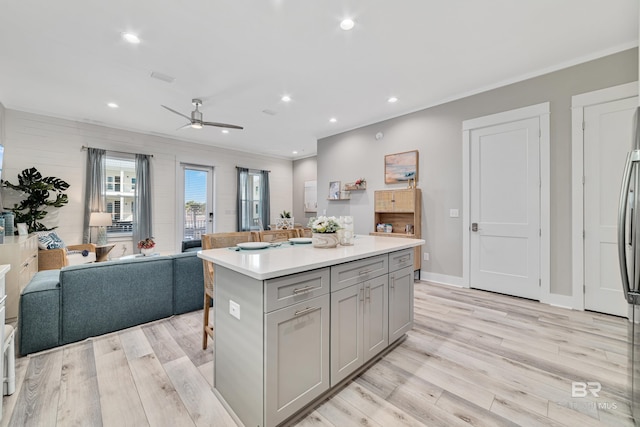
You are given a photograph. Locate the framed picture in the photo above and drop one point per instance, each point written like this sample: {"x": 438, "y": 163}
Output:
{"x": 334, "y": 190}
{"x": 401, "y": 167}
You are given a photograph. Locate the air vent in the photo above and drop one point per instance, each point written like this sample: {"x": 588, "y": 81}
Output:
{"x": 163, "y": 77}
{"x": 269, "y": 112}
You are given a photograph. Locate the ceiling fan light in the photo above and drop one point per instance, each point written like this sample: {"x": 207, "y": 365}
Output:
{"x": 196, "y": 125}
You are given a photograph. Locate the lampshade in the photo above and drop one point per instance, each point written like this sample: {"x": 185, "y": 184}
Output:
{"x": 100, "y": 219}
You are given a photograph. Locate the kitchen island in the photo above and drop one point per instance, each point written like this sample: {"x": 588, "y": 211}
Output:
{"x": 294, "y": 321}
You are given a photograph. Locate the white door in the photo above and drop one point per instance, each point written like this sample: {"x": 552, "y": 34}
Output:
{"x": 608, "y": 135}
{"x": 505, "y": 208}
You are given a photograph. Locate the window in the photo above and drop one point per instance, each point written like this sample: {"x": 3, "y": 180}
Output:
{"x": 120, "y": 193}
{"x": 253, "y": 199}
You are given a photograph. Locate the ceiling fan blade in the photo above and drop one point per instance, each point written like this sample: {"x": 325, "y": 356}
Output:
{"x": 222, "y": 125}
{"x": 176, "y": 112}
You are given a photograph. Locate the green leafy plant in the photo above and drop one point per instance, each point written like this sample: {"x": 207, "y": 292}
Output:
{"x": 285, "y": 214}
{"x": 38, "y": 191}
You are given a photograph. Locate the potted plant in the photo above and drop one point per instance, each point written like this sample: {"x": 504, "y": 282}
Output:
{"x": 324, "y": 231}
{"x": 285, "y": 222}
{"x": 38, "y": 191}
{"x": 146, "y": 246}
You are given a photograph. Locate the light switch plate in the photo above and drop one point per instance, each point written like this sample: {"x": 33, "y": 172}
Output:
{"x": 454, "y": 213}
{"x": 234, "y": 309}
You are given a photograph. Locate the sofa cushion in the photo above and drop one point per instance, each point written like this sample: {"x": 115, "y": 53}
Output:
{"x": 188, "y": 282}
{"x": 109, "y": 296}
{"x": 77, "y": 257}
{"x": 40, "y": 329}
{"x": 49, "y": 240}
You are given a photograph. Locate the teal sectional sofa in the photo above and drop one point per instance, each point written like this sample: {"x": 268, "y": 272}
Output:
{"x": 58, "y": 307}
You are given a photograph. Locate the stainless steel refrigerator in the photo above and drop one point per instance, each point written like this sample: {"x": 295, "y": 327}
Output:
{"x": 629, "y": 257}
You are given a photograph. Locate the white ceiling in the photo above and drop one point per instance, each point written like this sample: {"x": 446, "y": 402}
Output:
{"x": 67, "y": 59}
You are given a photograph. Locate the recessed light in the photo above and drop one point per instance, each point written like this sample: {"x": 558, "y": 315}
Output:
{"x": 112, "y": 105}
{"x": 131, "y": 38}
{"x": 347, "y": 24}
{"x": 333, "y": 120}
{"x": 392, "y": 100}
{"x": 225, "y": 130}
{"x": 286, "y": 98}
{"x": 294, "y": 152}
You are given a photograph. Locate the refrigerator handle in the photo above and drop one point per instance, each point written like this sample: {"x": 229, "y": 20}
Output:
{"x": 622, "y": 219}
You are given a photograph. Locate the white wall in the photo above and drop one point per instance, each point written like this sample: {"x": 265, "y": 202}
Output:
{"x": 303, "y": 170}
{"x": 53, "y": 146}
{"x": 437, "y": 133}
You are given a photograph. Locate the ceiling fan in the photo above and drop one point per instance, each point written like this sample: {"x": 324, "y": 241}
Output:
{"x": 195, "y": 121}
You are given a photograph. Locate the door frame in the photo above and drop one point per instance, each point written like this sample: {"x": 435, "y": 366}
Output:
{"x": 542, "y": 112}
{"x": 180, "y": 167}
{"x": 578, "y": 104}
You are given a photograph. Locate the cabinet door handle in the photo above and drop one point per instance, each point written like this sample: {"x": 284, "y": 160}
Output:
{"x": 403, "y": 259}
{"x": 360, "y": 294}
{"x": 305, "y": 311}
{"x": 363, "y": 272}
{"x": 297, "y": 291}
{"x": 393, "y": 282}
{"x": 368, "y": 292}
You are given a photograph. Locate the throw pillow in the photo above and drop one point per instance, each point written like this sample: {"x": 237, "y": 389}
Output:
{"x": 49, "y": 240}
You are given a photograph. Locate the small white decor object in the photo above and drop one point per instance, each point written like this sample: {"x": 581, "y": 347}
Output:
{"x": 146, "y": 251}
{"x": 23, "y": 230}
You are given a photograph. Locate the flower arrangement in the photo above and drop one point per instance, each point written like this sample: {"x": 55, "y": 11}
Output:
{"x": 147, "y": 243}
{"x": 360, "y": 181}
{"x": 323, "y": 224}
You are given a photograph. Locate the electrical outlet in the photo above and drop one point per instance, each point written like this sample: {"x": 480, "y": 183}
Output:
{"x": 426, "y": 256}
{"x": 234, "y": 309}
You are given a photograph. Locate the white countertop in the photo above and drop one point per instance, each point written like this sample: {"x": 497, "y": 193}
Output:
{"x": 268, "y": 263}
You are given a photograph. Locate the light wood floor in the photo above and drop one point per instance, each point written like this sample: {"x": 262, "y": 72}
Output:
{"x": 473, "y": 358}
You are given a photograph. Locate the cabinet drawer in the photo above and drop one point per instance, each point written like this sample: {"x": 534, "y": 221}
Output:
{"x": 350, "y": 273}
{"x": 284, "y": 291}
{"x": 401, "y": 259}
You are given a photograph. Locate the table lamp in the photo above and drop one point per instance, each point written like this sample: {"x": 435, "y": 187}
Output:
{"x": 101, "y": 220}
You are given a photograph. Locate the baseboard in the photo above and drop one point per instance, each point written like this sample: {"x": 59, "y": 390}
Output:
{"x": 563, "y": 301}
{"x": 442, "y": 279}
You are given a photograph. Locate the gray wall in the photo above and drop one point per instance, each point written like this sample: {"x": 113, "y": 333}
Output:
{"x": 436, "y": 133}
{"x": 303, "y": 170}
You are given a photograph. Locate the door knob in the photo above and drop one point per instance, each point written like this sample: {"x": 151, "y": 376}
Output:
{"x": 474, "y": 227}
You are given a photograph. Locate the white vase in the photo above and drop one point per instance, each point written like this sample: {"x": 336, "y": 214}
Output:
{"x": 325, "y": 240}
{"x": 146, "y": 251}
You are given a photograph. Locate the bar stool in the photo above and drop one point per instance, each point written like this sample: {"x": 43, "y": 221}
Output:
{"x": 9, "y": 351}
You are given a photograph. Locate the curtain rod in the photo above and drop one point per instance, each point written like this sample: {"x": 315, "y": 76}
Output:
{"x": 84, "y": 147}
{"x": 252, "y": 169}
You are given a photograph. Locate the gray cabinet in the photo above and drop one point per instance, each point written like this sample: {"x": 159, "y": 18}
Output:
{"x": 297, "y": 357}
{"x": 400, "y": 294}
{"x": 359, "y": 325}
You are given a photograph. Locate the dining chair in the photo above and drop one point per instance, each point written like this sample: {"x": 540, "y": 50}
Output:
{"x": 273, "y": 236}
{"x": 214, "y": 241}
